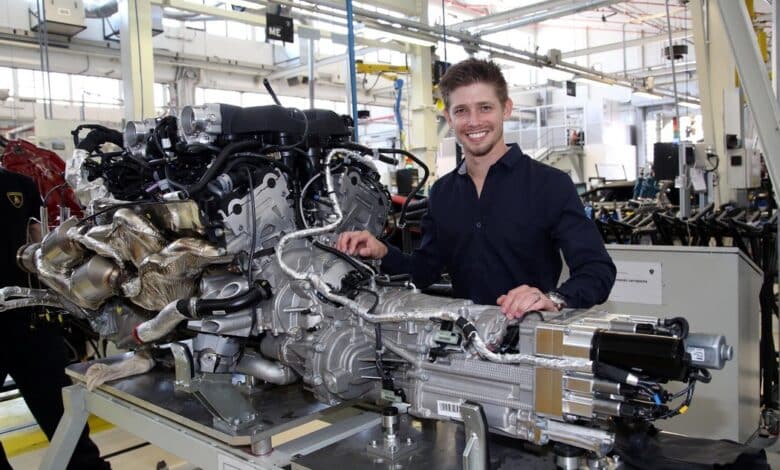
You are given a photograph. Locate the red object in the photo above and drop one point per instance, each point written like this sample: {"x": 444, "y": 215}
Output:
{"x": 47, "y": 169}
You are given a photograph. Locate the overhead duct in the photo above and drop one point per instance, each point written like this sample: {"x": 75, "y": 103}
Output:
{"x": 100, "y": 8}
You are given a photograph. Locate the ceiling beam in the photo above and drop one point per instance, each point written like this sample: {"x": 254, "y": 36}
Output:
{"x": 630, "y": 43}
{"x": 530, "y": 14}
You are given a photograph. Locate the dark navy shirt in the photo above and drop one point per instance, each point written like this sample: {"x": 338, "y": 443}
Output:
{"x": 510, "y": 235}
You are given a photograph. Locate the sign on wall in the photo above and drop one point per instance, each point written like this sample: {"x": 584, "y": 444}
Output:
{"x": 278, "y": 27}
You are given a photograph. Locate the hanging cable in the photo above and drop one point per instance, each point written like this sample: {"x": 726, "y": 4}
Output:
{"x": 444, "y": 29}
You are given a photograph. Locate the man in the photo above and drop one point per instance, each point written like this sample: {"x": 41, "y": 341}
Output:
{"x": 34, "y": 358}
{"x": 499, "y": 221}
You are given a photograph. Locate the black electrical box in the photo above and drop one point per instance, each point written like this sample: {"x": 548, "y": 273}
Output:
{"x": 665, "y": 159}
{"x": 406, "y": 179}
{"x": 439, "y": 69}
{"x": 571, "y": 88}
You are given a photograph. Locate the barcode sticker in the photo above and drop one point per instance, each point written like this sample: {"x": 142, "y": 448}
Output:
{"x": 697, "y": 354}
{"x": 448, "y": 408}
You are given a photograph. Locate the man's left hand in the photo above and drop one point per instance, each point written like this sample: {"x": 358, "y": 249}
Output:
{"x": 521, "y": 300}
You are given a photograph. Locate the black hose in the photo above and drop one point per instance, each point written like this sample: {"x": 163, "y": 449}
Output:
{"x": 216, "y": 166}
{"x": 420, "y": 184}
{"x": 271, "y": 91}
{"x": 261, "y": 291}
{"x": 359, "y": 267}
{"x": 368, "y": 151}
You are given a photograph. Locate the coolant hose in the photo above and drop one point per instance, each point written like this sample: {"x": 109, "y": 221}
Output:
{"x": 195, "y": 307}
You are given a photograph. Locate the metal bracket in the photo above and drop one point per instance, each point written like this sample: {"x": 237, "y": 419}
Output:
{"x": 475, "y": 455}
{"x": 182, "y": 360}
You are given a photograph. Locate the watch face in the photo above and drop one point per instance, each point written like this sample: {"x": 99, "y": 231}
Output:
{"x": 557, "y": 300}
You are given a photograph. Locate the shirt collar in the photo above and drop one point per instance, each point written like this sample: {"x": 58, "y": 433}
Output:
{"x": 510, "y": 158}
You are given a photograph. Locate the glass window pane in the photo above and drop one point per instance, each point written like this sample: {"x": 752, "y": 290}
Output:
{"x": 160, "y": 100}
{"x": 60, "y": 86}
{"x": 7, "y": 79}
{"x": 217, "y": 28}
{"x": 30, "y": 83}
{"x": 256, "y": 99}
{"x": 238, "y": 30}
{"x": 222, "y": 96}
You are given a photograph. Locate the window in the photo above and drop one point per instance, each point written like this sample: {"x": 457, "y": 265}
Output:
{"x": 161, "y": 100}
{"x": 59, "y": 84}
{"x": 217, "y": 28}
{"x": 238, "y": 30}
{"x": 30, "y": 83}
{"x": 255, "y": 99}
{"x": 7, "y": 79}
{"x": 98, "y": 90}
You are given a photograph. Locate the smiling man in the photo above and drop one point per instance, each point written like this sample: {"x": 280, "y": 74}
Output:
{"x": 499, "y": 222}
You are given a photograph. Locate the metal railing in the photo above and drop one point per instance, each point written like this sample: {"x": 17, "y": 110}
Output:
{"x": 539, "y": 128}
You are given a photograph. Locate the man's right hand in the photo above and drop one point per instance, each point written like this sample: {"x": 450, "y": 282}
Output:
{"x": 361, "y": 244}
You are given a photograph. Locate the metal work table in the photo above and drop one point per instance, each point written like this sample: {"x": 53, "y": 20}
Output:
{"x": 148, "y": 406}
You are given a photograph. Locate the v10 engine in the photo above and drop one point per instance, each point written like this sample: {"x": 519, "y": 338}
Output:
{"x": 215, "y": 231}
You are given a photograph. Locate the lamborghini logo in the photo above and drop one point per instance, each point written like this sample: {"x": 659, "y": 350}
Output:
{"x": 17, "y": 199}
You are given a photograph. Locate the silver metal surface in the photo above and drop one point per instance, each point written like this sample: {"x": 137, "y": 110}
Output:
{"x": 475, "y": 455}
{"x": 728, "y": 407}
{"x": 279, "y": 408}
{"x": 440, "y": 445}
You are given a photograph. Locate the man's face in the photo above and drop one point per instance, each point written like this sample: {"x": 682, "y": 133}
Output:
{"x": 477, "y": 116}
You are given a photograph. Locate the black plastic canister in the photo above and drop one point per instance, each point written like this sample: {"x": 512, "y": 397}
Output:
{"x": 660, "y": 357}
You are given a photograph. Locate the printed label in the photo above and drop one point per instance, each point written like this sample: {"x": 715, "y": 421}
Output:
{"x": 697, "y": 354}
{"x": 448, "y": 408}
{"x": 638, "y": 282}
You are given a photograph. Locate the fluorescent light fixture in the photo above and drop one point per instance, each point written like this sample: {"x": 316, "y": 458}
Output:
{"x": 378, "y": 35}
{"x": 688, "y": 104}
{"x": 649, "y": 96}
{"x": 557, "y": 75}
{"x": 588, "y": 81}
{"x": 245, "y": 4}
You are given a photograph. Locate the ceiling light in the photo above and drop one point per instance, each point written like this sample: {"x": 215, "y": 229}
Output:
{"x": 556, "y": 74}
{"x": 688, "y": 104}
{"x": 590, "y": 81}
{"x": 646, "y": 95}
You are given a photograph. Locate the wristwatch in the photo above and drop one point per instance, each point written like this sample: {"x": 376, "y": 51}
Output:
{"x": 557, "y": 299}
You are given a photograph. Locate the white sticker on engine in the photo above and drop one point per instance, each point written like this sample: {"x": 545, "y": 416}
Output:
{"x": 697, "y": 354}
{"x": 448, "y": 408}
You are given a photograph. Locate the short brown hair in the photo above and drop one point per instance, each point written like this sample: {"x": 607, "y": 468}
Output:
{"x": 472, "y": 71}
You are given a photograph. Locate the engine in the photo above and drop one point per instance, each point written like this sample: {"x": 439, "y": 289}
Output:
{"x": 215, "y": 231}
